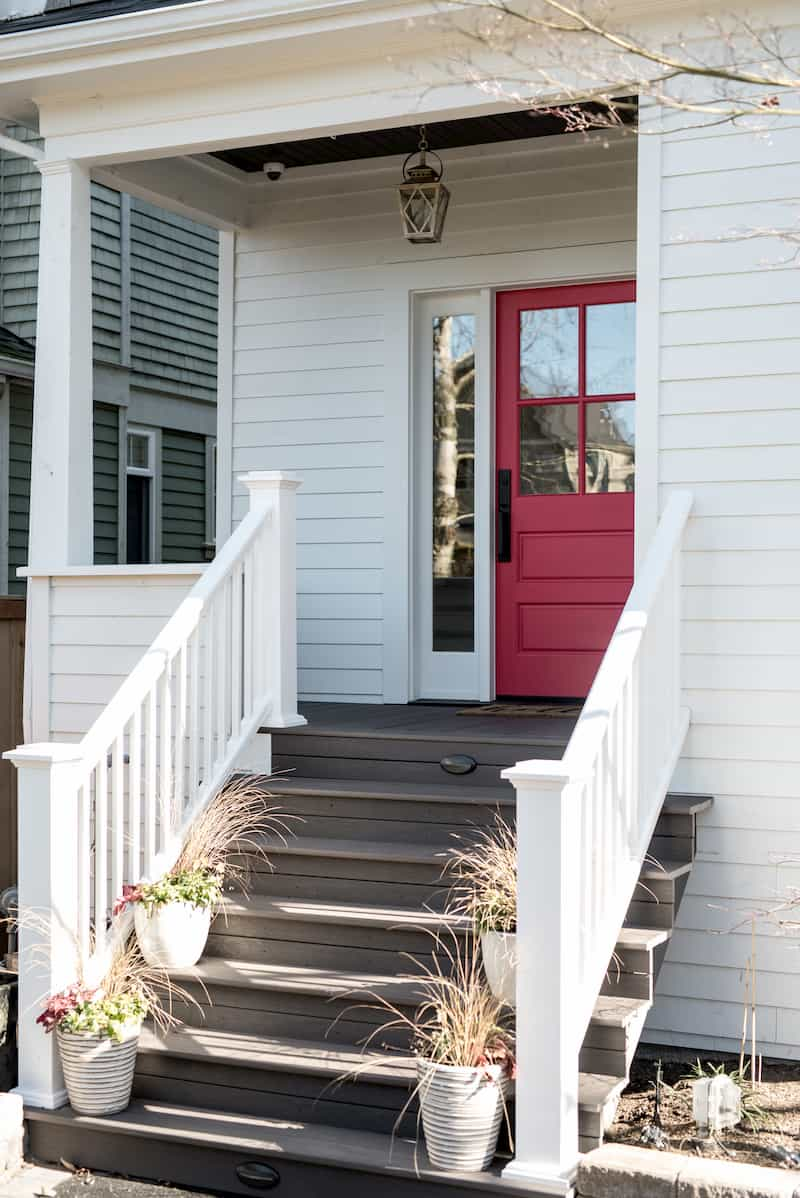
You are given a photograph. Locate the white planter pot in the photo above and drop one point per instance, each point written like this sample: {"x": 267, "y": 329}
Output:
{"x": 499, "y": 951}
{"x": 172, "y": 935}
{"x": 462, "y": 1110}
{"x": 98, "y": 1071}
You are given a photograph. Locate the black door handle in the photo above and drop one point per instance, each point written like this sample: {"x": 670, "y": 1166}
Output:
{"x": 504, "y": 515}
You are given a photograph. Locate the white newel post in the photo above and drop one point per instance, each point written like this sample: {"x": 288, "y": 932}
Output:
{"x": 61, "y": 478}
{"x": 48, "y": 894}
{"x": 546, "y": 1137}
{"x": 277, "y": 491}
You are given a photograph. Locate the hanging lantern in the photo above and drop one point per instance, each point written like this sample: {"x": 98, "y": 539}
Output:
{"x": 423, "y": 197}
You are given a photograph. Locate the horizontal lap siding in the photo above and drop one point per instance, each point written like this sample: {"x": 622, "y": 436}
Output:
{"x": 183, "y": 496}
{"x": 99, "y": 628}
{"x": 106, "y": 483}
{"x": 20, "y": 187}
{"x": 730, "y": 432}
{"x": 311, "y": 348}
{"x": 19, "y": 481}
{"x": 173, "y": 303}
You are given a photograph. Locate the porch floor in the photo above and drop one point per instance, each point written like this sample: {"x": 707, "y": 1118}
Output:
{"x": 437, "y": 721}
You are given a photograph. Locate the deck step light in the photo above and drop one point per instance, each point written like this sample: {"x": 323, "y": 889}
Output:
{"x": 423, "y": 197}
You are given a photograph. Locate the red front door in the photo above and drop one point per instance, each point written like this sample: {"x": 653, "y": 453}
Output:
{"x": 565, "y": 475}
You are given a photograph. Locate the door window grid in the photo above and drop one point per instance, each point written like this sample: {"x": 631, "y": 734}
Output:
{"x": 605, "y": 442}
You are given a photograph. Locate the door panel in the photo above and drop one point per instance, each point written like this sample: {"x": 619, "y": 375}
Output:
{"x": 565, "y": 433}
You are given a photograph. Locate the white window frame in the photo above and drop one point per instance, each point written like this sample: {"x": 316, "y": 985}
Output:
{"x": 151, "y": 471}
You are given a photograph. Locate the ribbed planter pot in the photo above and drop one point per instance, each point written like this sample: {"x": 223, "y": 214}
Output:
{"x": 98, "y": 1071}
{"x": 462, "y": 1110}
{"x": 499, "y": 952}
{"x": 172, "y": 935}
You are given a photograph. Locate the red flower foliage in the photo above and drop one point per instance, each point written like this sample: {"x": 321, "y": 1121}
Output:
{"x": 130, "y": 894}
{"x": 59, "y": 1005}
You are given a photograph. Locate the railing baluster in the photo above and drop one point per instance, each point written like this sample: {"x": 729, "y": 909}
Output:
{"x": 135, "y": 797}
{"x": 247, "y": 631}
{"x": 117, "y": 815}
{"x": 194, "y": 714}
{"x": 180, "y": 736}
{"x": 151, "y": 782}
{"x": 222, "y": 642}
{"x": 208, "y": 691}
{"x": 237, "y": 614}
{"x": 84, "y": 868}
{"x": 101, "y": 853}
{"x": 166, "y": 779}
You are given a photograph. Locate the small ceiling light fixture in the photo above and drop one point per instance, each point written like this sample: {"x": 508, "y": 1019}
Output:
{"x": 423, "y": 197}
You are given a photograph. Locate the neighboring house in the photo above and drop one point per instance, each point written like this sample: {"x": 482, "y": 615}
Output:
{"x": 425, "y": 493}
{"x": 154, "y": 290}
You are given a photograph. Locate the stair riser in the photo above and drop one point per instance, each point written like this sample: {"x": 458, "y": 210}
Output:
{"x": 387, "y": 894}
{"x": 275, "y": 1095}
{"x": 386, "y": 959}
{"x": 347, "y": 1021}
{"x": 432, "y": 822}
{"x": 378, "y": 770}
{"x": 356, "y": 869}
{"x": 197, "y": 1164}
{"x": 606, "y": 1062}
{"x": 297, "y": 747}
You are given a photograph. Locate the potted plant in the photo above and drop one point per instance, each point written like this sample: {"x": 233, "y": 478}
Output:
{"x": 173, "y": 914}
{"x": 463, "y": 1044}
{"x": 485, "y": 889}
{"x": 97, "y": 1029}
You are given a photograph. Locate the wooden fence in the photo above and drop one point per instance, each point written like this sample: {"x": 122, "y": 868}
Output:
{"x": 12, "y": 652}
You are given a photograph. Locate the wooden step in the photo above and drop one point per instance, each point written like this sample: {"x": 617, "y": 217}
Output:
{"x": 202, "y": 1148}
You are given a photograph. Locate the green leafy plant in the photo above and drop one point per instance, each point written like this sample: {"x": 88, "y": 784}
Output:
{"x": 753, "y": 1114}
{"x": 484, "y": 870}
{"x": 199, "y": 887}
{"x": 96, "y": 1013}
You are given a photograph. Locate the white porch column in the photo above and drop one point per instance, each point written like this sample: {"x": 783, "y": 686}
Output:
{"x": 546, "y": 1137}
{"x": 277, "y": 490}
{"x": 61, "y": 475}
{"x": 48, "y": 895}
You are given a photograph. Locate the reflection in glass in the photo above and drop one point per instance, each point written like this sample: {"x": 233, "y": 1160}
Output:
{"x": 548, "y": 449}
{"x": 453, "y": 484}
{"x": 548, "y": 352}
{"x": 610, "y": 446}
{"x": 610, "y": 349}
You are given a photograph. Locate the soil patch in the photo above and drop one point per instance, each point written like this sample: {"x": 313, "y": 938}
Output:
{"x": 778, "y": 1096}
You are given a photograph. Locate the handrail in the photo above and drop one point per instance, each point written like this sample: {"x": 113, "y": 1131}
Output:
{"x": 583, "y": 828}
{"x": 165, "y": 743}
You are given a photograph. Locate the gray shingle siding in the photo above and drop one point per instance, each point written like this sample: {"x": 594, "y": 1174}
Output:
{"x": 106, "y": 483}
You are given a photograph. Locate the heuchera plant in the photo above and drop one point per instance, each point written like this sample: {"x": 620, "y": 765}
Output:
{"x": 200, "y": 887}
{"x": 78, "y": 1009}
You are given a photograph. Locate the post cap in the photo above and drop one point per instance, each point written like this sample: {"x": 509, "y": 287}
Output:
{"x": 44, "y": 754}
{"x": 270, "y": 480}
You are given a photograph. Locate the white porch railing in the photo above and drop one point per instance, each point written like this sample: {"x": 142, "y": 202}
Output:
{"x": 583, "y": 827}
{"x": 115, "y": 807}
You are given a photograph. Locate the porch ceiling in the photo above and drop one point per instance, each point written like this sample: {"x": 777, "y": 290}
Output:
{"x": 380, "y": 143}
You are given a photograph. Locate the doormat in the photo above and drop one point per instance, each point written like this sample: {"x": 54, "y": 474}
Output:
{"x": 551, "y": 710}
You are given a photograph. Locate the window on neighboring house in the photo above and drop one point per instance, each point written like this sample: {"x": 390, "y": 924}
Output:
{"x": 211, "y": 498}
{"x": 142, "y": 499}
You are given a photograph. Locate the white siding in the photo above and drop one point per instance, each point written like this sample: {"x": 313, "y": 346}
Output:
{"x": 99, "y": 627}
{"x": 315, "y": 285}
{"x": 729, "y": 412}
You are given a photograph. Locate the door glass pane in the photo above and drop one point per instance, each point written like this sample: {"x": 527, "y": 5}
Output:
{"x": 610, "y": 349}
{"x": 548, "y": 449}
{"x": 453, "y": 484}
{"x": 610, "y": 446}
{"x": 548, "y": 352}
{"x": 138, "y": 526}
{"x": 139, "y": 451}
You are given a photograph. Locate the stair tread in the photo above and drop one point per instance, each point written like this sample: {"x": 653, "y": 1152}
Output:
{"x": 595, "y": 1090}
{"x": 664, "y": 871}
{"x": 403, "y": 988}
{"x": 318, "y": 1057}
{"x": 375, "y": 850}
{"x": 636, "y": 937}
{"x": 415, "y": 792}
{"x": 317, "y": 1143}
{"x": 681, "y": 803}
{"x": 259, "y": 906}
{"x": 618, "y": 1011}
